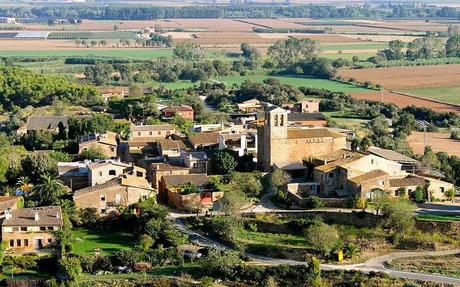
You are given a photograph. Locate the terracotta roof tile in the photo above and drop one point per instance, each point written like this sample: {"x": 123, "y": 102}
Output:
{"x": 312, "y": 133}
{"x": 368, "y": 176}
{"x": 177, "y": 180}
{"x": 47, "y": 216}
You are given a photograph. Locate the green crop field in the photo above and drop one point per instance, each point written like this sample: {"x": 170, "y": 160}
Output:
{"x": 444, "y": 94}
{"x": 353, "y": 46}
{"x": 297, "y": 81}
{"x": 108, "y": 242}
{"x": 347, "y": 56}
{"x": 139, "y": 53}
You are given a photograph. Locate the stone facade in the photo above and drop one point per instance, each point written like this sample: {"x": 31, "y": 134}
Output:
{"x": 279, "y": 143}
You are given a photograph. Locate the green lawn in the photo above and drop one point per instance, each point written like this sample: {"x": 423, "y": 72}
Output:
{"x": 445, "y": 94}
{"x": 107, "y": 241}
{"x": 439, "y": 217}
{"x": 297, "y": 81}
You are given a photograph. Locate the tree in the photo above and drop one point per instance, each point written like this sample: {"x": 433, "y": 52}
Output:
{"x": 365, "y": 143}
{"x": 233, "y": 201}
{"x": 144, "y": 243}
{"x": 3, "y": 246}
{"x": 288, "y": 52}
{"x": 221, "y": 263}
{"x": 35, "y": 165}
{"x": 99, "y": 73}
{"x": 322, "y": 237}
{"x": 399, "y": 216}
{"x": 279, "y": 178}
{"x": 188, "y": 51}
{"x": 70, "y": 268}
{"x": 249, "y": 183}
{"x": 24, "y": 185}
{"x": 453, "y": 46}
{"x": 429, "y": 159}
{"x": 224, "y": 161}
{"x": 48, "y": 190}
{"x": 93, "y": 152}
{"x": 450, "y": 194}
{"x": 418, "y": 195}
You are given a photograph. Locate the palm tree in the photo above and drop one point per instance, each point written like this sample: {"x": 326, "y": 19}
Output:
{"x": 48, "y": 190}
{"x": 24, "y": 184}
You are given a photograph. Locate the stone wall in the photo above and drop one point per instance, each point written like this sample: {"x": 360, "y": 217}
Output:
{"x": 445, "y": 227}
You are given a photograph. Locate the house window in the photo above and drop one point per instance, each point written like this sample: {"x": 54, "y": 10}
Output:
{"x": 282, "y": 120}
{"x": 23, "y": 228}
{"x": 276, "y": 120}
{"x": 42, "y": 228}
{"x": 139, "y": 133}
{"x": 100, "y": 173}
{"x": 112, "y": 172}
{"x": 139, "y": 174}
{"x": 372, "y": 161}
{"x": 102, "y": 210}
{"x": 50, "y": 228}
{"x": 150, "y": 133}
{"x": 50, "y": 240}
{"x": 144, "y": 197}
{"x": 102, "y": 197}
{"x": 11, "y": 243}
{"x": 159, "y": 133}
{"x": 330, "y": 175}
{"x": 441, "y": 189}
{"x": 18, "y": 242}
{"x": 26, "y": 242}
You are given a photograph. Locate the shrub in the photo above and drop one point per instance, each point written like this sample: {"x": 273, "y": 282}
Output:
{"x": 455, "y": 135}
{"x": 313, "y": 202}
{"x": 322, "y": 237}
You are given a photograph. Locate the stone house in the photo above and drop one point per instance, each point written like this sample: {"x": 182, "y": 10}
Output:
{"x": 169, "y": 148}
{"x": 437, "y": 188}
{"x": 370, "y": 184}
{"x": 172, "y": 187}
{"x": 114, "y": 92}
{"x": 150, "y": 133}
{"x": 103, "y": 171}
{"x": 183, "y": 111}
{"x": 110, "y": 196}
{"x": 106, "y": 142}
{"x": 155, "y": 171}
{"x": 306, "y": 106}
{"x": 31, "y": 229}
{"x": 341, "y": 176}
{"x": 249, "y": 106}
{"x": 204, "y": 141}
{"x": 279, "y": 143}
{"x": 196, "y": 161}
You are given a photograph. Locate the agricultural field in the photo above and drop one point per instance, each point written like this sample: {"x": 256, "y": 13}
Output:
{"x": 407, "y": 77}
{"x": 297, "y": 81}
{"x": 141, "y": 53}
{"x": 403, "y": 101}
{"x": 444, "y": 94}
{"x": 438, "y": 142}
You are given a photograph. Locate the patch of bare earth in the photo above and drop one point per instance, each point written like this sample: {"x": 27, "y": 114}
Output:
{"x": 437, "y": 141}
{"x": 404, "y": 101}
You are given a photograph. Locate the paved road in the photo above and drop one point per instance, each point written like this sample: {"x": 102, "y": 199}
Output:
{"x": 376, "y": 264}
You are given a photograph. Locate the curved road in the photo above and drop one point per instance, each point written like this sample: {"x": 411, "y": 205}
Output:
{"x": 376, "y": 264}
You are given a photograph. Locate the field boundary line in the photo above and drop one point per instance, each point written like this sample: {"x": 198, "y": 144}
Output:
{"x": 423, "y": 98}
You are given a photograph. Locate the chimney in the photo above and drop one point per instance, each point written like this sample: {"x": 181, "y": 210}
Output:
{"x": 36, "y": 217}
{"x": 8, "y": 214}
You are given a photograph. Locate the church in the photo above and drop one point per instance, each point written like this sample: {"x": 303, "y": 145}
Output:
{"x": 281, "y": 144}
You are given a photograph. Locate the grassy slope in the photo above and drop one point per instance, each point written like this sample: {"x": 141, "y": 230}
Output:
{"x": 445, "y": 94}
{"x": 271, "y": 240}
{"x": 109, "y": 242}
{"x": 439, "y": 217}
{"x": 130, "y": 53}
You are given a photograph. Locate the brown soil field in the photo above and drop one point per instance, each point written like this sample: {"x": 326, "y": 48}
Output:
{"x": 404, "y": 101}
{"x": 272, "y": 23}
{"x": 229, "y": 38}
{"x": 407, "y": 77}
{"x": 214, "y": 25}
{"x": 35, "y": 45}
{"x": 437, "y": 141}
{"x": 323, "y": 38}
